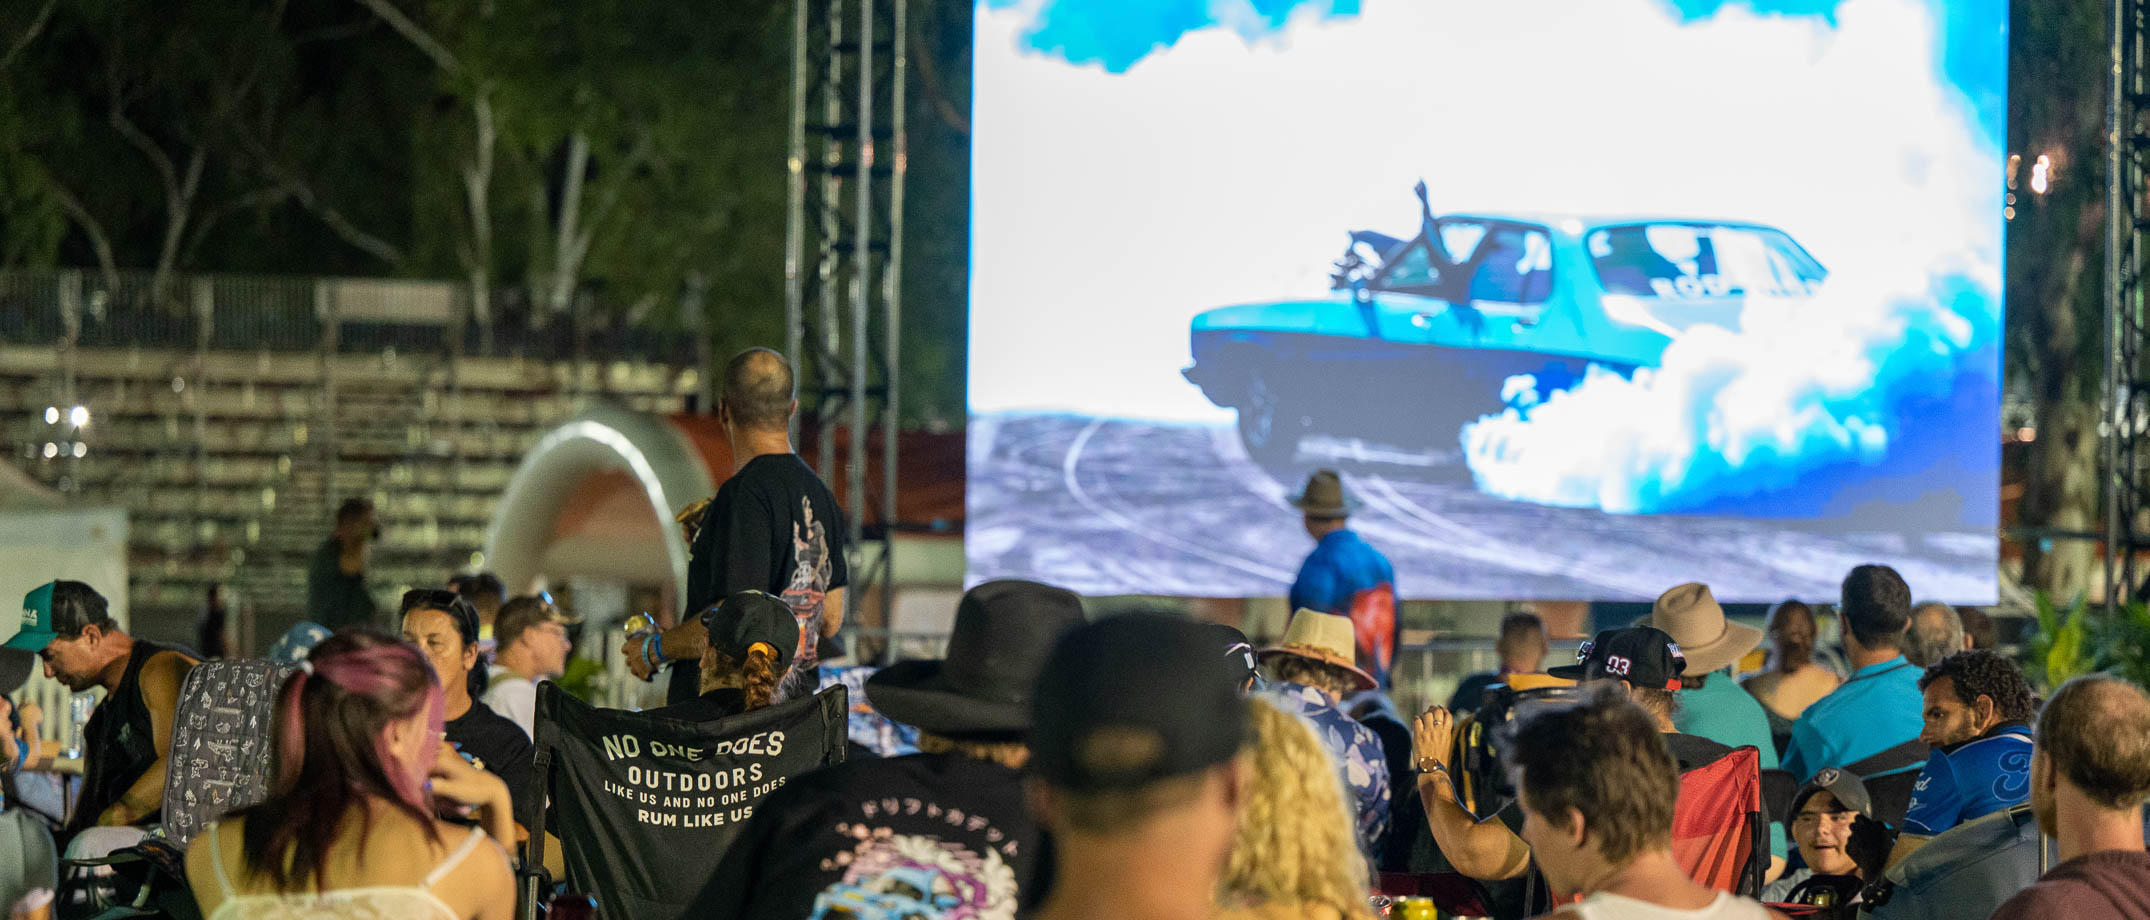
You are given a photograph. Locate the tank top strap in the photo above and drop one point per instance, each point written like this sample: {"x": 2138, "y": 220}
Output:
{"x": 454, "y": 859}
{"x": 216, "y": 858}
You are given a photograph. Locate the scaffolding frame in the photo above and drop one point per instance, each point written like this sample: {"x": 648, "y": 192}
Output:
{"x": 843, "y": 262}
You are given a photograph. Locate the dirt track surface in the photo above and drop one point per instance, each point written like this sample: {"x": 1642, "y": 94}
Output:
{"x": 1106, "y": 506}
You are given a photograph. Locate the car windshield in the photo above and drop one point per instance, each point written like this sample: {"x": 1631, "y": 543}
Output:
{"x": 1689, "y": 261}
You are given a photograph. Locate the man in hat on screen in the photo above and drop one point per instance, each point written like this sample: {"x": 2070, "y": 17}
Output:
{"x": 1345, "y": 576}
{"x": 949, "y": 822}
{"x": 1311, "y": 673}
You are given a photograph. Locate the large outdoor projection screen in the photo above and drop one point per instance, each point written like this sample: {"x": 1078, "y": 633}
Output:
{"x": 1694, "y": 290}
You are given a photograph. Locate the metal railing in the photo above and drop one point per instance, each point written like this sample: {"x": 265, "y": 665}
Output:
{"x": 85, "y": 309}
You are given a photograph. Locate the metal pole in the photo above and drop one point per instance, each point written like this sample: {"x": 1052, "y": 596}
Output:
{"x": 892, "y": 294}
{"x": 2116, "y": 478}
{"x": 828, "y": 210}
{"x": 861, "y": 292}
{"x": 795, "y": 219}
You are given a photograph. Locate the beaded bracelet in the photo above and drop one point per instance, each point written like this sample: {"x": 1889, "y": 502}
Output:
{"x": 653, "y": 650}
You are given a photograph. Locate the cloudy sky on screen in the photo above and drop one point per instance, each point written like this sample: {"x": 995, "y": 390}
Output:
{"x": 1136, "y": 163}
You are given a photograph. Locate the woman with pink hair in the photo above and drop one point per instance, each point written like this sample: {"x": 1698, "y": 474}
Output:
{"x": 349, "y": 829}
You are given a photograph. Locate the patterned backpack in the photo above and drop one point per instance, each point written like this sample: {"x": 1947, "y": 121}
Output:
{"x": 221, "y": 750}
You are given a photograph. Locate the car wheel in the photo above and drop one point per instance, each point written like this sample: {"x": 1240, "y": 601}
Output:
{"x": 1270, "y": 425}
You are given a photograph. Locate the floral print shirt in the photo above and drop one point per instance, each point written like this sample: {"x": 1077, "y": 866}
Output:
{"x": 1355, "y": 747}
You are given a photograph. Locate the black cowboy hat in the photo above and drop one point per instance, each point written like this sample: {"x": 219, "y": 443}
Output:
{"x": 1003, "y": 631}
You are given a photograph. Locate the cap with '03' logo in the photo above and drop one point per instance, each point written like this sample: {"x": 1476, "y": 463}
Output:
{"x": 55, "y": 609}
{"x": 1640, "y": 655}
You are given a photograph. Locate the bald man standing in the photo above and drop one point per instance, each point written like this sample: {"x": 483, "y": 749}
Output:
{"x": 773, "y": 526}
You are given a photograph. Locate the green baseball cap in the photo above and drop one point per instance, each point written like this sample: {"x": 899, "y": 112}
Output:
{"x": 44, "y": 621}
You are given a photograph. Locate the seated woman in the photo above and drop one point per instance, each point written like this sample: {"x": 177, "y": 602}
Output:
{"x": 1793, "y": 680}
{"x": 1296, "y": 853}
{"x": 349, "y": 828}
{"x": 752, "y": 635}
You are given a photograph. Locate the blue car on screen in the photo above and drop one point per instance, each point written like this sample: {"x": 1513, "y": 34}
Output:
{"x": 1420, "y": 336}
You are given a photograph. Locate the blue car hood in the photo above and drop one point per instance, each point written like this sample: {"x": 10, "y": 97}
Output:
{"x": 1334, "y": 315}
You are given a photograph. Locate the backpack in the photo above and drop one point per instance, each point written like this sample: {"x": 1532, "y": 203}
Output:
{"x": 1718, "y": 834}
{"x": 221, "y": 753}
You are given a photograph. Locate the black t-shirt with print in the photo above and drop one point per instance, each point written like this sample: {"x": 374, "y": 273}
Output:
{"x": 920, "y": 835}
{"x": 502, "y": 747}
{"x": 775, "y": 527}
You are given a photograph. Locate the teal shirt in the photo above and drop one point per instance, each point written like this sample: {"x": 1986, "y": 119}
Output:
{"x": 1724, "y": 712}
{"x": 1877, "y": 708}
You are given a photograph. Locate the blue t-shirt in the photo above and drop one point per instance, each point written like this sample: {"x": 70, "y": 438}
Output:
{"x": 1346, "y": 577}
{"x": 1877, "y": 708}
{"x": 1971, "y": 780}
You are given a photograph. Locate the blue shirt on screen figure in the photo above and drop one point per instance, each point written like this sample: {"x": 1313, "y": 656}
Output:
{"x": 1345, "y": 576}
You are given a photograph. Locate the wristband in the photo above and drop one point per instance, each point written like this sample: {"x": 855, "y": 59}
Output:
{"x": 653, "y": 650}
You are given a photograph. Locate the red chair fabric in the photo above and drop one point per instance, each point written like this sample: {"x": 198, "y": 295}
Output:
{"x": 1718, "y": 820}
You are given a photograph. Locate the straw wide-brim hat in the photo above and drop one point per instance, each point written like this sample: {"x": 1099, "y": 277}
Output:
{"x": 1323, "y": 637}
{"x": 1692, "y": 617}
{"x": 1323, "y": 496}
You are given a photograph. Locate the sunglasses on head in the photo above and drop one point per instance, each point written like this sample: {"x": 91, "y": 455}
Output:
{"x": 440, "y": 599}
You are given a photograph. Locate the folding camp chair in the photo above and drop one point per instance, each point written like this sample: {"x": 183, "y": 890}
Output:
{"x": 220, "y": 761}
{"x": 1718, "y": 834}
{"x": 645, "y": 806}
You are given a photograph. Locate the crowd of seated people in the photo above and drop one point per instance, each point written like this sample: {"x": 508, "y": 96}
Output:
{"x": 1149, "y": 765}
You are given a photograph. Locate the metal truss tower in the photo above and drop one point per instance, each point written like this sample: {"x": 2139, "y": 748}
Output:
{"x": 843, "y": 261}
{"x": 2127, "y": 385}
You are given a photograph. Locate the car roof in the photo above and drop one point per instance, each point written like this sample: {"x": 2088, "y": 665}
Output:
{"x": 1588, "y": 222}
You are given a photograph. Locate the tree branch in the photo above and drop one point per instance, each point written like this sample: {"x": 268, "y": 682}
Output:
{"x": 117, "y": 117}
{"x": 37, "y": 27}
{"x": 100, "y": 243}
{"x": 930, "y": 75}
{"x": 411, "y": 31}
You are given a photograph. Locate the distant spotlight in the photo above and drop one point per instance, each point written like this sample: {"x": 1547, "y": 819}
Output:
{"x": 2008, "y": 213}
{"x": 51, "y": 450}
{"x": 2015, "y": 162}
{"x": 52, "y": 415}
{"x": 81, "y": 450}
{"x": 78, "y": 416}
{"x": 2026, "y": 434}
{"x": 2042, "y": 174}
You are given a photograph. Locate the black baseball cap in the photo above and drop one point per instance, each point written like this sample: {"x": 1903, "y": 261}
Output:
{"x": 55, "y": 609}
{"x": 1849, "y": 790}
{"x": 739, "y": 622}
{"x": 1644, "y": 656}
{"x": 1234, "y": 646}
{"x": 1133, "y": 699}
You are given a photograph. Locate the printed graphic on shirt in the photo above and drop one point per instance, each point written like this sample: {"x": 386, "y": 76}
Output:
{"x": 918, "y": 876}
{"x": 806, "y": 594}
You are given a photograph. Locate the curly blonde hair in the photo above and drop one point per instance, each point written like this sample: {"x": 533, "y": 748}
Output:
{"x": 1297, "y": 841}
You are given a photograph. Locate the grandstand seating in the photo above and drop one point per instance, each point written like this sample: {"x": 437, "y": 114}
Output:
{"x": 230, "y": 450}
